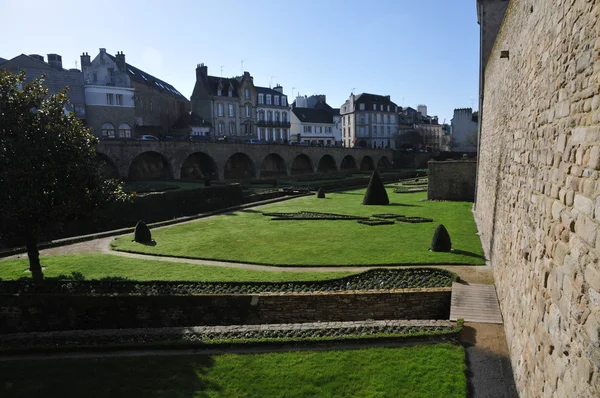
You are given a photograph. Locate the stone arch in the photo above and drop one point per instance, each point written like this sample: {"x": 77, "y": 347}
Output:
{"x": 150, "y": 165}
{"x": 367, "y": 163}
{"x": 239, "y": 166}
{"x": 198, "y": 166}
{"x": 326, "y": 164}
{"x": 106, "y": 167}
{"x": 348, "y": 163}
{"x": 302, "y": 164}
{"x": 383, "y": 163}
{"x": 273, "y": 165}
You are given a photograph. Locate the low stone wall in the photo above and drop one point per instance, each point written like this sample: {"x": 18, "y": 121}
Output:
{"x": 31, "y": 313}
{"x": 452, "y": 180}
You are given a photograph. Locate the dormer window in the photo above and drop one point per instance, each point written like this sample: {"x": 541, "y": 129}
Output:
{"x": 361, "y": 107}
{"x": 230, "y": 94}
{"x": 268, "y": 99}
{"x": 261, "y": 99}
{"x": 283, "y": 101}
{"x": 247, "y": 93}
{"x": 219, "y": 93}
{"x": 381, "y": 108}
{"x": 276, "y": 97}
{"x": 374, "y": 107}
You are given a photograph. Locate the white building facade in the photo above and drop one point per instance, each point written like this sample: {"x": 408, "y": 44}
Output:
{"x": 464, "y": 130}
{"x": 369, "y": 121}
{"x": 273, "y": 115}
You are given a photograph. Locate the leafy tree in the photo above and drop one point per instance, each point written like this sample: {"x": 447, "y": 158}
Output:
{"x": 48, "y": 168}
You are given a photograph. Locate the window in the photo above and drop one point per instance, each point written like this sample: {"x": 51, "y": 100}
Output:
{"x": 389, "y": 130}
{"x": 108, "y": 130}
{"x": 221, "y": 128}
{"x": 361, "y": 132}
{"x": 283, "y": 101}
{"x": 220, "y": 109}
{"x": 284, "y": 117}
{"x": 379, "y": 118}
{"x": 247, "y": 110}
{"x": 109, "y": 99}
{"x": 328, "y": 130}
{"x": 308, "y": 129}
{"x": 124, "y": 130}
{"x": 277, "y": 116}
{"x": 374, "y": 107}
{"x": 362, "y": 119}
{"x": 268, "y": 99}
{"x": 230, "y": 110}
{"x": 361, "y": 107}
{"x": 261, "y": 115}
{"x": 388, "y": 108}
{"x": 276, "y": 99}
{"x": 269, "y": 116}
{"x": 258, "y": 131}
{"x": 219, "y": 92}
{"x": 374, "y": 130}
{"x": 231, "y": 128}
{"x": 261, "y": 99}
{"x": 119, "y": 99}
{"x": 230, "y": 93}
{"x": 247, "y": 93}
{"x": 381, "y": 108}
{"x": 317, "y": 129}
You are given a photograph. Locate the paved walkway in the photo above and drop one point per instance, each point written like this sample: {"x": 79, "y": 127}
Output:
{"x": 475, "y": 303}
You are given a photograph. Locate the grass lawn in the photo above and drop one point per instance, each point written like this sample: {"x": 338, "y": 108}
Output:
{"x": 248, "y": 236}
{"x": 98, "y": 266}
{"x": 417, "y": 371}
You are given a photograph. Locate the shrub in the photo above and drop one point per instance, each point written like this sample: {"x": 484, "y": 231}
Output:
{"x": 142, "y": 233}
{"x": 376, "y": 222}
{"x": 413, "y": 220}
{"x": 387, "y": 215}
{"x": 440, "y": 242}
{"x": 376, "y": 194}
{"x": 321, "y": 193}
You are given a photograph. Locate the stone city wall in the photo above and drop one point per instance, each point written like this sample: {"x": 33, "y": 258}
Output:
{"x": 452, "y": 180}
{"x": 538, "y": 203}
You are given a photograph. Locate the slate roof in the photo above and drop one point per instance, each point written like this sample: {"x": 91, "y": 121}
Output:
{"x": 335, "y": 111}
{"x": 373, "y": 99}
{"x": 2, "y": 60}
{"x": 267, "y": 90}
{"x": 213, "y": 86}
{"x": 312, "y": 115}
{"x": 145, "y": 78}
{"x": 190, "y": 119}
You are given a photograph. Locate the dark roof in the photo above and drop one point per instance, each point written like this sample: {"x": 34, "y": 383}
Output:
{"x": 190, "y": 119}
{"x": 2, "y": 60}
{"x": 213, "y": 86}
{"x": 267, "y": 90}
{"x": 323, "y": 105}
{"x": 145, "y": 78}
{"x": 312, "y": 115}
{"x": 373, "y": 99}
{"x": 335, "y": 111}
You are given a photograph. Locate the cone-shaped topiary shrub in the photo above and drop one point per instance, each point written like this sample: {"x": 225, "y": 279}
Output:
{"x": 376, "y": 193}
{"x": 142, "y": 233}
{"x": 321, "y": 193}
{"x": 207, "y": 182}
{"x": 441, "y": 240}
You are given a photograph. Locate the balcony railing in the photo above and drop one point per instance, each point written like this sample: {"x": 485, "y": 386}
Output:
{"x": 271, "y": 123}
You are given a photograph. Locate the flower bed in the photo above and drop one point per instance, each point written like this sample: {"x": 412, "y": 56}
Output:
{"x": 376, "y": 222}
{"x": 388, "y": 215}
{"x": 310, "y": 215}
{"x": 374, "y": 279}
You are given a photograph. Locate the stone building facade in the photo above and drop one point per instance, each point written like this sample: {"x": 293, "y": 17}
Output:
{"x": 464, "y": 130}
{"x": 538, "y": 191}
{"x": 124, "y": 102}
{"x": 57, "y": 78}
{"x": 369, "y": 120}
{"x": 273, "y": 115}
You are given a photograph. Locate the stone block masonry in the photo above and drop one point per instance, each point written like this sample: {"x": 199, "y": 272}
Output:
{"x": 36, "y": 313}
{"x": 538, "y": 203}
{"x": 452, "y": 180}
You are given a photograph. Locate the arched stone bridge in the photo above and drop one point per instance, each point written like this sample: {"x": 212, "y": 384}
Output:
{"x": 141, "y": 160}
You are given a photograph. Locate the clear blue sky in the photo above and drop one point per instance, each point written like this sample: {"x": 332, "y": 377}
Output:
{"x": 423, "y": 51}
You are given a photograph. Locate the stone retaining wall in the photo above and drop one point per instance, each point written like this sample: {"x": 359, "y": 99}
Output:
{"x": 452, "y": 180}
{"x": 29, "y": 313}
{"x": 538, "y": 203}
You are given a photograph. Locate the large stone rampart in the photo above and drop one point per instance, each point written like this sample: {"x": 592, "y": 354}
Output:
{"x": 538, "y": 204}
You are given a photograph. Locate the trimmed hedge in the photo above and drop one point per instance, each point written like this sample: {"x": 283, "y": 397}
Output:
{"x": 376, "y": 195}
{"x": 414, "y": 220}
{"x": 321, "y": 193}
{"x": 142, "y": 233}
{"x": 374, "y": 279}
{"x": 311, "y": 215}
{"x": 409, "y": 190}
{"x": 440, "y": 242}
{"x": 376, "y": 222}
{"x": 387, "y": 215}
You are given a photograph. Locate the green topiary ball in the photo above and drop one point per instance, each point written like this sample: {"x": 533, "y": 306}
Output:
{"x": 142, "y": 233}
{"x": 321, "y": 193}
{"x": 376, "y": 194}
{"x": 440, "y": 242}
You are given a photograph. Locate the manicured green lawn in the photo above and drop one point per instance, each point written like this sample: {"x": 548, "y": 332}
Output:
{"x": 248, "y": 236}
{"x": 98, "y": 266}
{"x": 418, "y": 371}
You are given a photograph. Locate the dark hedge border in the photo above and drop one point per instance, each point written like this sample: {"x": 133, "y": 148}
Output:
{"x": 376, "y": 222}
{"x": 414, "y": 220}
{"x": 330, "y": 335}
{"x": 415, "y": 183}
{"x": 387, "y": 215}
{"x": 374, "y": 279}
{"x": 310, "y": 215}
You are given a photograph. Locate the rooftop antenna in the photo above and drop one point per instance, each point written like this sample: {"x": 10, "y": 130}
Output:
{"x": 75, "y": 64}
{"x": 352, "y": 91}
{"x": 221, "y": 70}
{"x": 271, "y": 84}
{"x": 293, "y": 88}
{"x": 242, "y": 67}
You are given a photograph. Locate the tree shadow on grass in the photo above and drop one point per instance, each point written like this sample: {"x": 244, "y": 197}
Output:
{"x": 144, "y": 376}
{"x": 151, "y": 243}
{"x": 466, "y": 253}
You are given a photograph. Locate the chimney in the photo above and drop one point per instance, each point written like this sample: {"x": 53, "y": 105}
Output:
{"x": 387, "y": 97}
{"x": 85, "y": 60}
{"x": 103, "y": 50}
{"x": 278, "y": 88}
{"x": 121, "y": 61}
{"x": 37, "y": 56}
{"x": 55, "y": 61}
{"x": 201, "y": 72}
